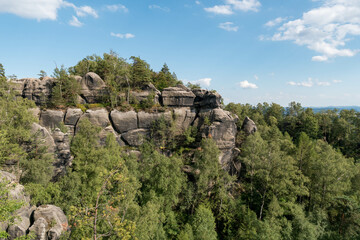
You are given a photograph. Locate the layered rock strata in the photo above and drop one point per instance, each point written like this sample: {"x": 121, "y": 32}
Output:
{"x": 185, "y": 107}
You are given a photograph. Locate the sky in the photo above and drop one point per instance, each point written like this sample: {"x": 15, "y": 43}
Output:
{"x": 250, "y": 51}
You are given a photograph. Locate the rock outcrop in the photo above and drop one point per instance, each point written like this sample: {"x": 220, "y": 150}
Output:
{"x": 35, "y": 89}
{"x": 124, "y": 121}
{"x": 46, "y": 222}
{"x": 179, "y": 96}
{"x": 248, "y": 126}
{"x": 51, "y": 119}
{"x": 92, "y": 88}
{"x": 183, "y": 106}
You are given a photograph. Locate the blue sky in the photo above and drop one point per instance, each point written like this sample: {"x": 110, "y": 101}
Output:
{"x": 250, "y": 51}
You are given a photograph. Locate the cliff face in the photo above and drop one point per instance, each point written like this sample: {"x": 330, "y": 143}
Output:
{"x": 185, "y": 107}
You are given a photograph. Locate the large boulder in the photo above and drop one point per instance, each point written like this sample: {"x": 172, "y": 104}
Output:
{"x": 124, "y": 121}
{"x": 51, "y": 119}
{"x": 179, "y": 96}
{"x": 135, "y": 137}
{"x": 56, "y": 221}
{"x": 146, "y": 119}
{"x": 207, "y": 99}
{"x": 46, "y": 222}
{"x": 92, "y": 88}
{"x": 98, "y": 117}
{"x": 249, "y": 126}
{"x": 72, "y": 116}
{"x": 37, "y": 90}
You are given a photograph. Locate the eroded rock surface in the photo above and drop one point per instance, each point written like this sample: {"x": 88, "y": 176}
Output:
{"x": 48, "y": 222}
{"x": 124, "y": 121}
{"x": 249, "y": 126}
{"x": 93, "y": 88}
{"x": 179, "y": 96}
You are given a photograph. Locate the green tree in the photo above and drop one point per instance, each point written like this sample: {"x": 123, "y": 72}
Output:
{"x": 140, "y": 72}
{"x": 66, "y": 89}
{"x": 7, "y": 207}
{"x": 204, "y": 224}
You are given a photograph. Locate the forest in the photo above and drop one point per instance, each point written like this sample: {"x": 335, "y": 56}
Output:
{"x": 299, "y": 174}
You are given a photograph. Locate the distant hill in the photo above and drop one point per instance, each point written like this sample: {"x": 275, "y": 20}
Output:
{"x": 324, "y": 109}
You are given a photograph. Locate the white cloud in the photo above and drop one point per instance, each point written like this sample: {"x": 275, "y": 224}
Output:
{"x": 75, "y": 22}
{"x": 310, "y": 83}
{"x": 325, "y": 29}
{"x": 204, "y": 82}
{"x": 337, "y": 81}
{"x": 245, "y": 5}
{"x": 229, "y": 26}
{"x": 235, "y": 5}
{"x": 82, "y": 11}
{"x": 256, "y": 77}
{"x": 220, "y": 9}
{"x": 120, "y": 35}
{"x": 275, "y": 22}
{"x": 198, "y": 2}
{"x": 85, "y": 10}
{"x": 165, "y": 9}
{"x": 117, "y": 7}
{"x": 42, "y": 9}
{"x": 324, "y": 84}
{"x": 246, "y": 84}
{"x": 34, "y": 9}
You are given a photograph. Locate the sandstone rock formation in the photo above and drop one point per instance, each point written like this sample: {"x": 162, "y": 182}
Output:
{"x": 198, "y": 107}
{"x": 179, "y": 96}
{"x": 35, "y": 89}
{"x": 51, "y": 119}
{"x": 46, "y": 222}
{"x": 93, "y": 88}
{"x": 249, "y": 126}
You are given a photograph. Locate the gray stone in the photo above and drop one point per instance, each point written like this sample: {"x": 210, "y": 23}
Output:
{"x": 120, "y": 141}
{"x": 98, "y": 117}
{"x": 35, "y": 112}
{"x": 72, "y": 116}
{"x": 43, "y": 135}
{"x": 37, "y": 90}
{"x": 124, "y": 121}
{"x": 51, "y": 119}
{"x": 39, "y": 228}
{"x": 249, "y": 126}
{"x": 146, "y": 119}
{"x": 206, "y": 99}
{"x": 92, "y": 88}
{"x": 135, "y": 137}
{"x": 177, "y": 97}
{"x": 63, "y": 154}
{"x": 184, "y": 117}
{"x": 55, "y": 219}
{"x": 19, "y": 228}
{"x": 104, "y": 133}
{"x": 221, "y": 127}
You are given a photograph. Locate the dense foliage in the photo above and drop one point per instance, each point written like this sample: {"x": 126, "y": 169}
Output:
{"x": 299, "y": 175}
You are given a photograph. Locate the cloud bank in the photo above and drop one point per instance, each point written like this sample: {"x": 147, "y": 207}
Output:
{"x": 325, "y": 29}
